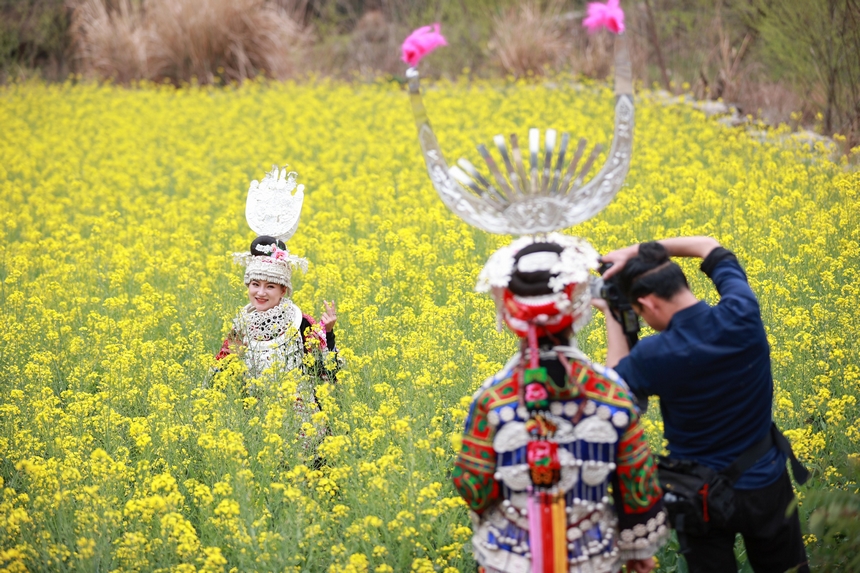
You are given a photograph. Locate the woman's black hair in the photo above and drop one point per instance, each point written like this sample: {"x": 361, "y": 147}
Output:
{"x": 532, "y": 283}
{"x": 651, "y": 272}
{"x": 266, "y": 241}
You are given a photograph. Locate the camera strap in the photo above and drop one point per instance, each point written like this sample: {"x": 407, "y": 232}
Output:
{"x": 798, "y": 470}
{"x": 752, "y": 454}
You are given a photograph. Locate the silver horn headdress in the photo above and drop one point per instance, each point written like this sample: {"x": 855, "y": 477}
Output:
{"x": 552, "y": 194}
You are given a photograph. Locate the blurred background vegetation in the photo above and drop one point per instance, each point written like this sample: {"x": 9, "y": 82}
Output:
{"x": 792, "y": 61}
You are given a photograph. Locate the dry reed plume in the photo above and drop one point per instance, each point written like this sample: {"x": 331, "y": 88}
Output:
{"x": 184, "y": 39}
{"x": 111, "y": 41}
{"x": 529, "y": 38}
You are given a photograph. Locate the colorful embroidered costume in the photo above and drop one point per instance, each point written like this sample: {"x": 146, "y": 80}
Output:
{"x": 554, "y": 462}
{"x": 580, "y": 439}
{"x": 278, "y": 340}
{"x": 280, "y": 336}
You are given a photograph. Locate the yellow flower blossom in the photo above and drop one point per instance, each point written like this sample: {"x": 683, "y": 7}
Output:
{"x": 124, "y": 442}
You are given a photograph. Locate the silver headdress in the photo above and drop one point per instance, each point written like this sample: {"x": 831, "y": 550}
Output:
{"x": 272, "y": 207}
{"x": 273, "y": 210}
{"x": 552, "y": 194}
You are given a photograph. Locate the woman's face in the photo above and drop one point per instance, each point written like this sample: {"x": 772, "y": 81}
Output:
{"x": 265, "y": 295}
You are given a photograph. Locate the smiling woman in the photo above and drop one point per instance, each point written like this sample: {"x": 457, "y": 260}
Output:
{"x": 271, "y": 331}
{"x": 264, "y": 295}
{"x": 283, "y": 350}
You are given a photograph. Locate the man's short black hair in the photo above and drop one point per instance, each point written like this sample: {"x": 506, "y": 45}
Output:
{"x": 651, "y": 272}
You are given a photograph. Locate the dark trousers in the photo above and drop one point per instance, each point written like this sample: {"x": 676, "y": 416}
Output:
{"x": 773, "y": 541}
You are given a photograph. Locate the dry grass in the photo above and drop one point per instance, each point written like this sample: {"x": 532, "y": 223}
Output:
{"x": 374, "y": 45}
{"x": 530, "y": 38}
{"x": 596, "y": 56}
{"x": 184, "y": 39}
{"x": 773, "y": 102}
{"x": 194, "y": 38}
{"x": 710, "y": 53}
{"x": 111, "y": 41}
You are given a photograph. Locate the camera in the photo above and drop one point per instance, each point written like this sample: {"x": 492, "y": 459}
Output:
{"x": 619, "y": 306}
{"x": 622, "y": 311}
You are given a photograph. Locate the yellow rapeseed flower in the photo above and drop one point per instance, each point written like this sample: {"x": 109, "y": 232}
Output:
{"x": 123, "y": 440}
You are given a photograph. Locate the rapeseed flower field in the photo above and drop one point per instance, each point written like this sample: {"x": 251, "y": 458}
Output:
{"x": 119, "y": 451}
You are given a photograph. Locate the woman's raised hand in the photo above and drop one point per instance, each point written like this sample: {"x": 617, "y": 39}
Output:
{"x": 329, "y": 315}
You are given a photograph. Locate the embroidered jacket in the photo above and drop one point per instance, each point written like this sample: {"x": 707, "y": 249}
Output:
{"x": 279, "y": 340}
{"x": 285, "y": 341}
{"x": 609, "y": 503}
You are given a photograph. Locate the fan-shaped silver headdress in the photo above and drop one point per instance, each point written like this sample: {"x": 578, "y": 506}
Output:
{"x": 273, "y": 209}
{"x": 552, "y": 195}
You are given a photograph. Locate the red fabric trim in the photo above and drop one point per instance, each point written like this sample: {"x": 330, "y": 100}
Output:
{"x": 546, "y": 529}
{"x": 225, "y": 350}
{"x": 317, "y": 333}
{"x": 704, "y": 492}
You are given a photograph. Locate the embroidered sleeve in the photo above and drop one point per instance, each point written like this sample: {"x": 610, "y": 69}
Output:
{"x": 638, "y": 498}
{"x": 230, "y": 344}
{"x": 476, "y": 463}
{"x": 225, "y": 350}
{"x": 321, "y": 356}
{"x": 312, "y": 333}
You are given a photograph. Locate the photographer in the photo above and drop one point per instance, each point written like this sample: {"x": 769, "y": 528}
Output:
{"x": 710, "y": 367}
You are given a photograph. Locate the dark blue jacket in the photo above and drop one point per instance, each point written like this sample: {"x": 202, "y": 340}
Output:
{"x": 711, "y": 370}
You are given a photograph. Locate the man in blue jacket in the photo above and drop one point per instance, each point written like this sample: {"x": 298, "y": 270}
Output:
{"x": 710, "y": 367}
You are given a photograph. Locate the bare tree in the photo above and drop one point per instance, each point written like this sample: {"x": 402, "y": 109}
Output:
{"x": 815, "y": 44}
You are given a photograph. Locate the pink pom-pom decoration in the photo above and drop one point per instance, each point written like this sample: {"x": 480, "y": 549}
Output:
{"x": 609, "y": 16}
{"x": 421, "y": 42}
